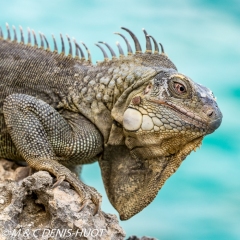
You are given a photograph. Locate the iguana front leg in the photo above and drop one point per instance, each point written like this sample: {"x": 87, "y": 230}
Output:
{"x": 45, "y": 139}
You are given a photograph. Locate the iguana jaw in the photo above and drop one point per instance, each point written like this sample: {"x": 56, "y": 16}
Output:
{"x": 179, "y": 110}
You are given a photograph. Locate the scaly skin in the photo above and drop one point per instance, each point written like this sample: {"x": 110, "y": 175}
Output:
{"x": 135, "y": 114}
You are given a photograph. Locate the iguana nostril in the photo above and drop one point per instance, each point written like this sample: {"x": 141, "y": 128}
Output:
{"x": 210, "y": 113}
{"x": 216, "y": 119}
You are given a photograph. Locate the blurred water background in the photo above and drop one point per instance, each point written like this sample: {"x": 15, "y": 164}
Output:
{"x": 202, "y": 199}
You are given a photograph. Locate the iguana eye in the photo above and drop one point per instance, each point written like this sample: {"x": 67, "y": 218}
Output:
{"x": 180, "y": 88}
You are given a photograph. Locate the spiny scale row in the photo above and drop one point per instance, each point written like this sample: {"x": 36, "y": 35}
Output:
{"x": 136, "y": 43}
{"x": 44, "y": 39}
{"x": 78, "y": 48}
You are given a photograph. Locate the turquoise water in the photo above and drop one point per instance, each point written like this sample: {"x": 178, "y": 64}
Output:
{"x": 202, "y": 199}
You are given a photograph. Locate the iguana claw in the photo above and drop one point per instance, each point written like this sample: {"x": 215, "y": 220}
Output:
{"x": 60, "y": 179}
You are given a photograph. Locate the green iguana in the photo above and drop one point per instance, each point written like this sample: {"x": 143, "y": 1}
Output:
{"x": 135, "y": 115}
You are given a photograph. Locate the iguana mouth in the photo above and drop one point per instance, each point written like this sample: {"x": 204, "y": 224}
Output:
{"x": 197, "y": 120}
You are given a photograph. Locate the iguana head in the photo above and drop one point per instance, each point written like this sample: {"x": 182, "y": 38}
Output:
{"x": 157, "y": 124}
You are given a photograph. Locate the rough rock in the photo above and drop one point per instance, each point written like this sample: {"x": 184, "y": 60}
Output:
{"x": 142, "y": 238}
{"x": 31, "y": 209}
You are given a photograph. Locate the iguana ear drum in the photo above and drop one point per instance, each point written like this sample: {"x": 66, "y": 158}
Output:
{"x": 132, "y": 119}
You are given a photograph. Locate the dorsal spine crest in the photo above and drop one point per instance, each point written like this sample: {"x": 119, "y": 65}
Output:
{"x": 79, "y": 55}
